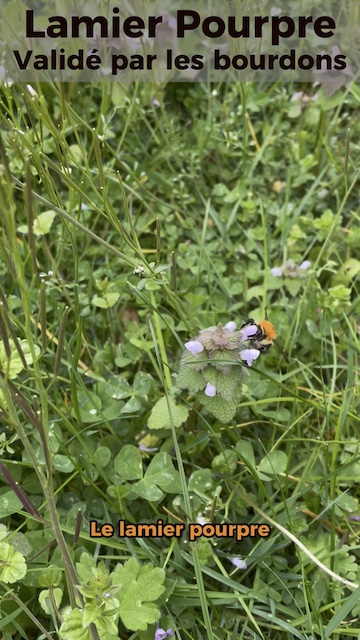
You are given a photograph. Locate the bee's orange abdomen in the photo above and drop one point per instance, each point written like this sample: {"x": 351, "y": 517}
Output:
{"x": 268, "y": 329}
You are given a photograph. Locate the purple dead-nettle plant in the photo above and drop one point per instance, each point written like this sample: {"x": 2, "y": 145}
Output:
{"x": 212, "y": 367}
{"x": 291, "y": 270}
{"x": 334, "y": 73}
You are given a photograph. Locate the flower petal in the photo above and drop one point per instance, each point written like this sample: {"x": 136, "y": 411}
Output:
{"x": 194, "y": 346}
{"x": 305, "y": 265}
{"x": 146, "y": 449}
{"x": 161, "y": 634}
{"x": 210, "y": 390}
{"x": 238, "y": 562}
{"x": 249, "y": 331}
{"x": 230, "y": 326}
{"x": 276, "y": 271}
{"x": 249, "y": 355}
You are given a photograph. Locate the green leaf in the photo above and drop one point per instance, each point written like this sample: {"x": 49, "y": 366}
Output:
{"x": 228, "y": 384}
{"x": 347, "y": 272}
{"x": 191, "y": 379}
{"x": 102, "y": 456}
{"x": 9, "y": 503}
{"x": 225, "y": 462}
{"x": 122, "y": 361}
{"x": 152, "y": 285}
{"x": 89, "y": 405}
{"x": 45, "y": 599}
{"x": 117, "y": 388}
{"x": 293, "y": 286}
{"x": 43, "y": 222}
{"x": 12, "y": 564}
{"x": 142, "y": 383}
{"x": 50, "y": 576}
{"x": 14, "y": 364}
{"x": 246, "y": 451}
{"x": 113, "y": 409}
{"x": 86, "y": 567}
{"x": 139, "y": 587}
{"x": 63, "y": 463}
{"x": 205, "y": 550}
{"x": 3, "y": 532}
{"x": 72, "y": 628}
{"x": 223, "y": 410}
{"x": 128, "y": 463}
{"x": 254, "y": 292}
{"x": 91, "y": 613}
{"x": 274, "y": 462}
{"x": 20, "y": 543}
{"x": 147, "y": 490}
{"x": 201, "y": 480}
{"x": 161, "y": 471}
{"x": 132, "y": 406}
{"x": 55, "y": 437}
{"x": 160, "y": 418}
{"x": 107, "y": 627}
{"x": 190, "y": 372}
{"x": 106, "y": 301}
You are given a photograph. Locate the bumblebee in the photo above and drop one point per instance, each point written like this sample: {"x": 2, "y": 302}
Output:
{"x": 265, "y": 336}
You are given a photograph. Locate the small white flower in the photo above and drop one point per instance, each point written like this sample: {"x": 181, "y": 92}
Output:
{"x": 139, "y": 270}
{"x": 277, "y": 272}
{"x": 230, "y": 326}
{"x": 194, "y": 346}
{"x": 305, "y": 265}
{"x": 210, "y": 390}
{"x": 31, "y": 90}
{"x": 249, "y": 355}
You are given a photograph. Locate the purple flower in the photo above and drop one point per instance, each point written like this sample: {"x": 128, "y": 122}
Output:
{"x": 161, "y": 634}
{"x": 230, "y": 326}
{"x": 277, "y": 272}
{"x": 249, "y": 331}
{"x": 210, "y": 390}
{"x": 305, "y": 265}
{"x": 194, "y": 346}
{"x": 249, "y": 355}
{"x": 238, "y": 563}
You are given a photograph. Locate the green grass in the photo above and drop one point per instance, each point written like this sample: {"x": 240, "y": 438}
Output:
{"x": 167, "y": 220}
